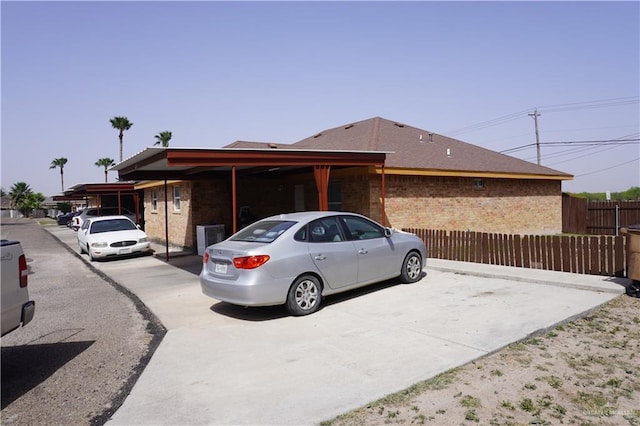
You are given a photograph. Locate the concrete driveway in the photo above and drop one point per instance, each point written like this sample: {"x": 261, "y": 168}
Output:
{"x": 221, "y": 364}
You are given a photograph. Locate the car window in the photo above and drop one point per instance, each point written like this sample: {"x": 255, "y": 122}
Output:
{"x": 85, "y": 225}
{"x": 325, "y": 230}
{"x": 263, "y": 232}
{"x": 363, "y": 229}
{"x": 111, "y": 225}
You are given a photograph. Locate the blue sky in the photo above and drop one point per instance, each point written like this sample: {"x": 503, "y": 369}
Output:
{"x": 217, "y": 72}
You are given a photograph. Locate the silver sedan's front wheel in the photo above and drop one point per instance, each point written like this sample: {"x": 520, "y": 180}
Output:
{"x": 304, "y": 296}
{"x": 411, "y": 268}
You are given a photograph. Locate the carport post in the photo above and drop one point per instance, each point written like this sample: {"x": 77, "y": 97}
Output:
{"x": 166, "y": 221}
{"x": 233, "y": 199}
{"x": 383, "y": 214}
{"x": 321, "y": 173}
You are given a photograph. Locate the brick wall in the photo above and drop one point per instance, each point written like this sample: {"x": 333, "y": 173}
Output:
{"x": 502, "y": 206}
{"x": 181, "y": 229}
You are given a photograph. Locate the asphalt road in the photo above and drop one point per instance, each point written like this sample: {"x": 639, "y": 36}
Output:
{"x": 90, "y": 339}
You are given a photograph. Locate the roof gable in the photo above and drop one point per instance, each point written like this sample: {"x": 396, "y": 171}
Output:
{"x": 415, "y": 148}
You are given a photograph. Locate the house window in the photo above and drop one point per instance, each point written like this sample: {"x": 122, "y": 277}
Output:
{"x": 335, "y": 196}
{"x": 176, "y": 198}
{"x": 478, "y": 184}
{"x": 154, "y": 200}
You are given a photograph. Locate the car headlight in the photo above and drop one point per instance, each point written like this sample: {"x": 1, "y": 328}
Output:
{"x": 143, "y": 240}
{"x": 99, "y": 245}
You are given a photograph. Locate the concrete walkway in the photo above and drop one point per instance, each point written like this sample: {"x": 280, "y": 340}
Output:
{"x": 224, "y": 365}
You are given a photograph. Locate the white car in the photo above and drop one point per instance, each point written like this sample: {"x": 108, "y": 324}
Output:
{"x": 90, "y": 212}
{"x": 107, "y": 236}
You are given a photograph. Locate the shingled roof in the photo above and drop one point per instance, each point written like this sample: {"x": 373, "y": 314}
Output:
{"x": 415, "y": 148}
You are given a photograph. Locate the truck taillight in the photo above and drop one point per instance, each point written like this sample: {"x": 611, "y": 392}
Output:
{"x": 24, "y": 270}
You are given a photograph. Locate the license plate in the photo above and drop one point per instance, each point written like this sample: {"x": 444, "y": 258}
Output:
{"x": 124, "y": 251}
{"x": 221, "y": 268}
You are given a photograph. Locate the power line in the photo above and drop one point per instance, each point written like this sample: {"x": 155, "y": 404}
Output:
{"x": 630, "y": 141}
{"x": 609, "y": 168}
{"x": 595, "y": 142}
{"x": 602, "y": 103}
{"x": 585, "y": 155}
{"x": 599, "y": 103}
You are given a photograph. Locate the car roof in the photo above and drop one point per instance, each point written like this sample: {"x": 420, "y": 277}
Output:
{"x": 100, "y": 218}
{"x": 307, "y": 216}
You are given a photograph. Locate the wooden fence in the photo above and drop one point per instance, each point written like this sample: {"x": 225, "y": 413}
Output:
{"x": 582, "y": 216}
{"x": 595, "y": 255}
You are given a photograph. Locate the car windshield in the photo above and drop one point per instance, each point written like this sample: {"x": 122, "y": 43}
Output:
{"x": 263, "y": 232}
{"x": 112, "y": 225}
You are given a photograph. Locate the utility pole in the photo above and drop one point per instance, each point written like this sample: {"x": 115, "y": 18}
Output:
{"x": 535, "y": 116}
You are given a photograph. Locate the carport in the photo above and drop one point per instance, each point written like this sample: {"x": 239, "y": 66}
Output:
{"x": 99, "y": 191}
{"x": 165, "y": 164}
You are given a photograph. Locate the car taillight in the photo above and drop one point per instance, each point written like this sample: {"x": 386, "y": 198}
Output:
{"x": 24, "y": 270}
{"x": 205, "y": 257}
{"x": 250, "y": 262}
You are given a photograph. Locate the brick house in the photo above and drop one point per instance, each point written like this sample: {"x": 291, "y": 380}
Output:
{"x": 425, "y": 181}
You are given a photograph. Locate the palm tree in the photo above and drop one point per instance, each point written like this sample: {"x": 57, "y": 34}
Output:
{"x": 122, "y": 124}
{"x": 163, "y": 138}
{"x": 106, "y": 163}
{"x": 18, "y": 194}
{"x": 59, "y": 162}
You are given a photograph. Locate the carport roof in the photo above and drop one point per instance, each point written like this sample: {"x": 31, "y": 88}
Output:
{"x": 156, "y": 163}
{"x": 82, "y": 190}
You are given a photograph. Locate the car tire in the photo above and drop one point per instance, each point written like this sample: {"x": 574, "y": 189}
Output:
{"x": 80, "y": 248}
{"x": 411, "y": 268}
{"x": 304, "y": 296}
{"x": 91, "y": 258}
{"x": 633, "y": 289}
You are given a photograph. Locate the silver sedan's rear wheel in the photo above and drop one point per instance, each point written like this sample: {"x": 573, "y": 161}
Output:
{"x": 411, "y": 268}
{"x": 304, "y": 296}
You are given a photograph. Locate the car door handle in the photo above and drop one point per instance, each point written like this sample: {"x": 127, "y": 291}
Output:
{"x": 319, "y": 257}
{"x": 363, "y": 251}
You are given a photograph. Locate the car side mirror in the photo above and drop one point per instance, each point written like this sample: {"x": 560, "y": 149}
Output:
{"x": 388, "y": 232}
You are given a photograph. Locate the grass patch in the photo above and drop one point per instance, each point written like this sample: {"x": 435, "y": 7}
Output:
{"x": 469, "y": 401}
{"x": 441, "y": 381}
{"x": 526, "y": 404}
{"x": 508, "y": 405}
{"x": 472, "y": 416}
{"x": 553, "y": 381}
{"x": 595, "y": 404}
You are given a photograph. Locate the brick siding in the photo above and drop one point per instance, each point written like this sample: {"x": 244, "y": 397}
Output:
{"x": 501, "y": 206}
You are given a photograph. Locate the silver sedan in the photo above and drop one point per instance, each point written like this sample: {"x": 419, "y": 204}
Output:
{"x": 295, "y": 259}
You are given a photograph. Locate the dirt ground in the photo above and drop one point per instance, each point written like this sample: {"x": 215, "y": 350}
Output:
{"x": 581, "y": 373}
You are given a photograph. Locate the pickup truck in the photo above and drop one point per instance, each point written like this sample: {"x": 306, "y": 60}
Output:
{"x": 17, "y": 309}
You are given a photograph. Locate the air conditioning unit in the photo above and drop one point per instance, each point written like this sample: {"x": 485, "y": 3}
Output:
{"x": 207, "y": 235}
